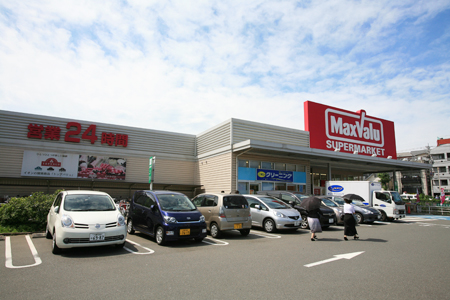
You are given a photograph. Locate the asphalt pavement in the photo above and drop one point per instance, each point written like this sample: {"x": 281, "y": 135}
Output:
{"x": 407, "y": 259}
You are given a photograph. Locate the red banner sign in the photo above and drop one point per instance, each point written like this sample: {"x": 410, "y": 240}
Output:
{"x": 336, "y": 129}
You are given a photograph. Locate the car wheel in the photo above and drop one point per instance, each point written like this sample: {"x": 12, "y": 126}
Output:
{"x": 244, "y": 232}
{"x": 55, "y": 248}
{"x": 48, "y": 235}
{"x": 304, "y": 224}
{"x": 359, "y": 218}
{"x": 130, "y": 229}
{"x": 384, "y": 217}
{"x": 160, "y": 237}
{"x": 215, "y": 231}
{"x": 198, "y": 240}
{"x": 269, "y": 226}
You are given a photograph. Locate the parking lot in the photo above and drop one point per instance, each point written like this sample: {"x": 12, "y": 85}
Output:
{"x": 407, "y": 259}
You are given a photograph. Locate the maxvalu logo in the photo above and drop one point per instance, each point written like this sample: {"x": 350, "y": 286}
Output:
{"x": 335, "y": 188}
{"x": 354, "y": 132}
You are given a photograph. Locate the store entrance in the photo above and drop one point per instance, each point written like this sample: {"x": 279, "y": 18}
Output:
{"x": 254, "y": 187}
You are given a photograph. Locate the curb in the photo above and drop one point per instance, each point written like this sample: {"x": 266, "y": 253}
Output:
{"x": 33, "y": 234}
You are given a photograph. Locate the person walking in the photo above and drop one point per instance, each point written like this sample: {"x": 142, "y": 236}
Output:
{"x": 312, "y": 206}
{"x": 314, "y": 223}
{"x": 349, "y": 220}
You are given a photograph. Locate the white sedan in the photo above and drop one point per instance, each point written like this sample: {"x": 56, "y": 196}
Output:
{"x": 84, "y": 219}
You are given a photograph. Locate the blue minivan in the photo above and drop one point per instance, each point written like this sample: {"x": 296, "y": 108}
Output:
{"x": 165, "y": 215}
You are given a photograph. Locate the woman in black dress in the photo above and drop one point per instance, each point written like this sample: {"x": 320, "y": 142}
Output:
{"x": 349, "y": 220}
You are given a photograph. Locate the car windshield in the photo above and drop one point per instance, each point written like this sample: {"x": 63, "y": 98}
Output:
{"x": 358, "y": 203}
{"x": 397, "y": 199}
{"x": 339, "y": 201}
{"x": 329, "y": 203}
{"x": 175, "y": 202}
{"x": 274, "y": 203}
{"x": 88, "y": 203}
{"x": 235, "y": 202}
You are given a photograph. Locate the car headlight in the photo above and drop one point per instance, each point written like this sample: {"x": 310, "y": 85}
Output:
{"x": 120, "y": 220}
{"x": 278, "y": 214}
{"x": 170, "y": 219}
{"x": 202, "y": 218}
{"x": 66, "y": 221}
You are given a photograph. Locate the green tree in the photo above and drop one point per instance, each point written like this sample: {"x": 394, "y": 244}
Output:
{"x": 385, "y": 178}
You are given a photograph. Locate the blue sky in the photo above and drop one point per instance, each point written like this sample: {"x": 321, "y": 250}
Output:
{"x": 186, "y": 66}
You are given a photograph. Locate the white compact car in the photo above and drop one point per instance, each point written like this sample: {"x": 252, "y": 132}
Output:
{"x": 84, "y": 219}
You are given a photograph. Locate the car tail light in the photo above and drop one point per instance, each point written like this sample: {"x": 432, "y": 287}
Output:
{"x": 222, "y": 213}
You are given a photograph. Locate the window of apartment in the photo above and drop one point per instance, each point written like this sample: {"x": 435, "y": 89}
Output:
{"x": 435, "y": 170}
{"x": 442, "y": 169}
{"x": 444, "y": 182}
{"x": 435, "y": 182}
{"x": 438, "y": 156}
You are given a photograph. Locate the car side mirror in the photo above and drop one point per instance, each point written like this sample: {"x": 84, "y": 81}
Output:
{"x": 56, "y": 209}
{"x": 153, "y": 207}
{"x": 258, "y": 207}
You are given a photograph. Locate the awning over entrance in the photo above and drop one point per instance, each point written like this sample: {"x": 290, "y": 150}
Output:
{"x": 324, "y": 158}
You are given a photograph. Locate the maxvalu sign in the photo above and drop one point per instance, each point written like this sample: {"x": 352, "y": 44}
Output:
{"x": 333, "y": 129}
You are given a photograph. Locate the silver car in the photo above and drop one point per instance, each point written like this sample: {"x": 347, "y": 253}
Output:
{"x": 272, "y": 214}
{"x": 338, "y": 210}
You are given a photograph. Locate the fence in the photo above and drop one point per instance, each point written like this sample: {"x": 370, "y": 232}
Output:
{"x": 433, "y": 210}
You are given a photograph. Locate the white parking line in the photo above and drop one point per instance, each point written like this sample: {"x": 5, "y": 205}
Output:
{"x": 8, "y": 255}
{"x": 150, "y": 251}
{"x": 266, "y": 235}
{"x": 223, "y": 243}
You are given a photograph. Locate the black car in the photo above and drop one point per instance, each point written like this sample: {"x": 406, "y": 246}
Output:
{"x": 327, "y": 216}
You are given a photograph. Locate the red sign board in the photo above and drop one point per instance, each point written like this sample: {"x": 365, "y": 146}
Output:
{"x": 336, "y": 129}
{"x": 37, "y": 131}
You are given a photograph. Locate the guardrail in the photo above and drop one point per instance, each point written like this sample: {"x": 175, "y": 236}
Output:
{"x": 434, "y": 210}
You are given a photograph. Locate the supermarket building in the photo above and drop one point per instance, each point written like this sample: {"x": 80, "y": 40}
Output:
{"x": 42, "y": 153}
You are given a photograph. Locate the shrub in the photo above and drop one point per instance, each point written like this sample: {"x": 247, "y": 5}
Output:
{"x": 28, "y": 213}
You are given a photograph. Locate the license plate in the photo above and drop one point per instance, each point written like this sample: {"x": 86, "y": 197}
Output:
{"x": 96, "y": 237}
{"x": 297, "y": 223}
{"x": 331, "y": 220}
{"x": 238, "y": 226}
{"x": 185, "y": 231}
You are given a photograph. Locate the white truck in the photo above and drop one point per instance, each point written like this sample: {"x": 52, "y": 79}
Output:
{"x": 389, "y": 203}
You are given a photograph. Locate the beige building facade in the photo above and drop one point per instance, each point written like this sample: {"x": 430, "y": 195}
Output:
{"x": 44, "y": 154}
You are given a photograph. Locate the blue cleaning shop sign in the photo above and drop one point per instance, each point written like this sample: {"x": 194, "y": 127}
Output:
{"x": 335, "y": 188}
{"x": 274, "y": 175}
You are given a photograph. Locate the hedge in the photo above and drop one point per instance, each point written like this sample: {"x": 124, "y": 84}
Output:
{"x": 26, "y": 213}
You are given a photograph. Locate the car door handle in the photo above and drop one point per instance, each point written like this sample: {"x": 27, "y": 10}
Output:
{"x": 376, "y": 204}
{"x": 209, "y": 211}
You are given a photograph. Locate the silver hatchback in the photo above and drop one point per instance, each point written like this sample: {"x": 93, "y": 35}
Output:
{"x": 272, "y": 214}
